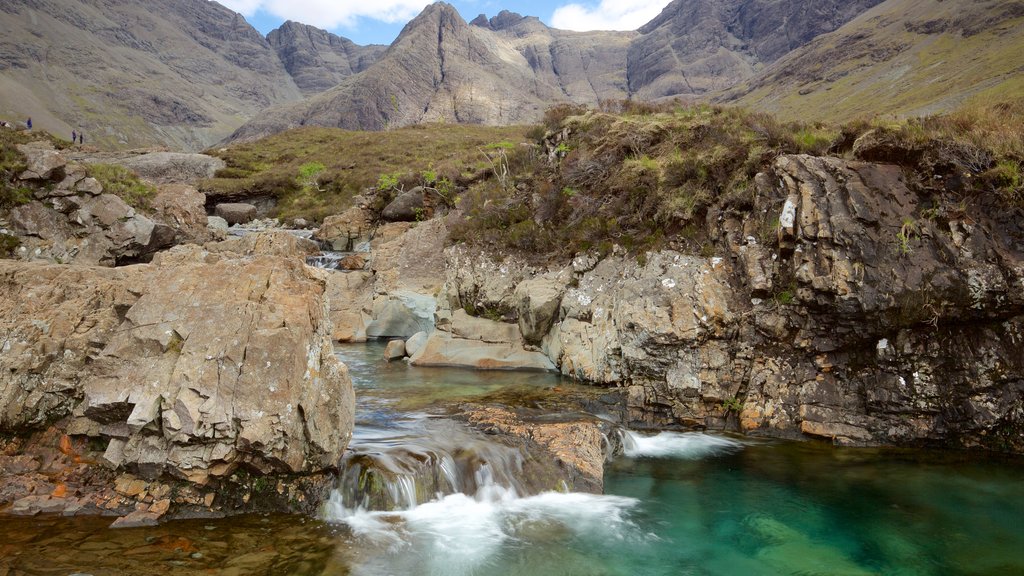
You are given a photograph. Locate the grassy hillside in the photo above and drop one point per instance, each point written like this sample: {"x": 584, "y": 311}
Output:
{"x": 314, "y": 172}
{"x": 903, "y": 57}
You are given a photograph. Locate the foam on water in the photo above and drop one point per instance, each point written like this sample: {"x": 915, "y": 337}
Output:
{"x": 462, "y": 534}
{"x": 687, "y": 445}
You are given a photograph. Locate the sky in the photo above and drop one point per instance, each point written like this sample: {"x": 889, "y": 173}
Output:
{"x": 380, "y": 21}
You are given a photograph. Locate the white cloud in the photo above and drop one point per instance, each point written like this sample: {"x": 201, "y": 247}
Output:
{"x": 607, "y": 15}
{"x": 330, "y": 14}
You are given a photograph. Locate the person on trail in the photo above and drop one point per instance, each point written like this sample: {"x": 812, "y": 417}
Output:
{"x": 74, "y": 136}
{"x": 29, "y": 123}
{"x": 81, "y": 138}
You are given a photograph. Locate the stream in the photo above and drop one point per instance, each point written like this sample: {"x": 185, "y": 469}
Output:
{"x": 421, "y": 493}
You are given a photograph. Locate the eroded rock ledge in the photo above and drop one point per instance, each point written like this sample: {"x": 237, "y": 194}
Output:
{"x": 206, "y": 364}
{"x": 856, "y": 302}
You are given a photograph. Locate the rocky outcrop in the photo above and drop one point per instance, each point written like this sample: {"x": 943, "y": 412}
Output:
{"x": 855, "y": 302}
{"x": 579, "y": 446}
{"x": 479, "y": 343}
{"x": 72, "y": 220}
{"x": 160, "y": 167}
{"x": 191, "y": 368}
{"x": 861, "y": 318}
{"x": 182, "y": 207}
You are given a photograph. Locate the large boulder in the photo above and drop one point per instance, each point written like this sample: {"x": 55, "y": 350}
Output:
{"x": 346, "y": 231}
{"x": 401, "y": 314}
{"x": 169, "y": 167}
{"x": 183, "y": 208}
{"x": 236, "y": 212}
{"x": 469, "y": 342}
{"x": 188, "y": 367}
{"x": 406, "y": 207}
{"x": 42, "y": 162}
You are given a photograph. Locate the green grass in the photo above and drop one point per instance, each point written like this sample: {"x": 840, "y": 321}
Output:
{"x": 124, "y": 183}
{"x": 352, "y": 162}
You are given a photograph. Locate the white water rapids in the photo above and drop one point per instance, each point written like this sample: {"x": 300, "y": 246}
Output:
{"x": 461, "y": 534}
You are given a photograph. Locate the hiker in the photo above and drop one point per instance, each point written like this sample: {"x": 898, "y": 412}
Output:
{"x": 74, "y": 136}
{"x": 81, "y": 138}
{"x": 29, "y": 123}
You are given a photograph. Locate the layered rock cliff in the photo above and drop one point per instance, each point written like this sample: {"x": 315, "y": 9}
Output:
{"x": 853, "y": 301}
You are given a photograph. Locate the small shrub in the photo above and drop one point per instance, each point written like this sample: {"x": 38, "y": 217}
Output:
{"x": 8, "y": 245}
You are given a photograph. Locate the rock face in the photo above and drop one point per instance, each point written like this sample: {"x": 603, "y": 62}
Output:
{"x": 442, "y": 69}
{"x": 863, "y": 322}
{"x": 845, "y": 305}
{"x": 346, "y": 231}
{"x": 318, "y": 60}
{"x": 190, "y": 367}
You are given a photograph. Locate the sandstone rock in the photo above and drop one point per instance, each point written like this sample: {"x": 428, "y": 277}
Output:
{"x": 537, "y": 303}
{"x": 407, "y": 207}
{"x": 35, "y": 219}
{"x": 345, "y": 231}
{"x": 472, "y": 328}
{"x": 90, "y": 186}
{"x": 352, "y": 262}
{"x": 236, "y": 212}
{"x": 271, "y": 243}
{"x": 350, "y": 301}
{"x": 415, "y": 343}
{"x": 217, "y": 226}
{"x": 137, "y": 519}
{"x": 183, "y": 208}
{"x": 395, "y": 350}
{"x": 234, "y": 353}
{"x": 577, "y": 445}
{"x": 42, "y": 162}
{"x": 443, "y": 349}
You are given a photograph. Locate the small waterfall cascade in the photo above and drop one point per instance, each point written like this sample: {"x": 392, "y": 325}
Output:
{"x": 394, "y": 473}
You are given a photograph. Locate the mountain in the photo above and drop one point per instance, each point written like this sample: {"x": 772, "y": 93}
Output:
{"x": 698, "y": 46}
{"x": 318, "y": 60}
{"x": 906, "y": 57}
{"x": 136, "y": 72}
{"x": 510, "y": 68}
{"x": 506, "y": 70}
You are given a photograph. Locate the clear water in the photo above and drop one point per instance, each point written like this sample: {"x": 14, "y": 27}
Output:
{"x": 675, "y": 504}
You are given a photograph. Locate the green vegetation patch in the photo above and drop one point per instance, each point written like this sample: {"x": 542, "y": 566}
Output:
{"x": 346, "y": 162}
{"x": 122, "y": 182}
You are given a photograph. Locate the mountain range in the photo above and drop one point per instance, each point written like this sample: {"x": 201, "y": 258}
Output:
{"x": 190, "y": 73}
